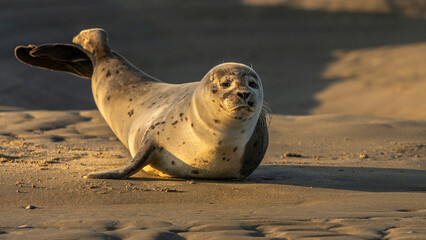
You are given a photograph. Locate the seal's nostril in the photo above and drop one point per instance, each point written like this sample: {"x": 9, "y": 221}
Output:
{"x": 243, "y": 95}
{"x": 246, "y": 95}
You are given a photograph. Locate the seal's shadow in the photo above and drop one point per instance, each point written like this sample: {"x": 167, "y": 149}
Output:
{"x": 341, "y": 178}
{"x": 344, "y": 178}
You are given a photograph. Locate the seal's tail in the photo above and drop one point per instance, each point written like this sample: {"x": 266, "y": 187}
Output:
{"x": 57, "y": 57}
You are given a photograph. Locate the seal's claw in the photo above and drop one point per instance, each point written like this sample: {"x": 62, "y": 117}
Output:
{"x": 113, "y": 174}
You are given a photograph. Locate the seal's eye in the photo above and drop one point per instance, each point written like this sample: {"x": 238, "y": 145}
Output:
{"x": 225, "y": 84}
{"x": 252, "y": 84}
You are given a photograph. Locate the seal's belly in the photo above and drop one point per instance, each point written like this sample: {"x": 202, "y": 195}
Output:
{"x": 212, "y": 164}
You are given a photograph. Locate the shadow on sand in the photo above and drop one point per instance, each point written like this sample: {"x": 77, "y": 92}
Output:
{"x": 341, "y": 178}
{"x": 344, "y": 178}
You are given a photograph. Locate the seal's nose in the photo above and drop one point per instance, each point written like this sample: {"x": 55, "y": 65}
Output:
{"x": 244, "y": 95}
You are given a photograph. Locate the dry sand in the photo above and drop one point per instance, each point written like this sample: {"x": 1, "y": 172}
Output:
{"x": 343, "y": 175}
{"x": 383, "y": 81}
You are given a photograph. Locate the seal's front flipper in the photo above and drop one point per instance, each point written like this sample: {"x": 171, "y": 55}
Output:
{"x": 255, "y": 148}
{"x": 57, "y": 57}
{"x": 137, "y": 163}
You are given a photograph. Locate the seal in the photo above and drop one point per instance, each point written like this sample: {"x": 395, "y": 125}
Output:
{"x": 214, "y": 128}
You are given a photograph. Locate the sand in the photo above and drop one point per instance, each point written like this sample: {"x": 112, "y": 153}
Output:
{"x": 347, "y": 154}
{"x": 390, "y": 78}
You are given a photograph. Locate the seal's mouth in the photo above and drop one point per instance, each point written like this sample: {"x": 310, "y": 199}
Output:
{"x": 248, "y": 106}
{"x": 244, "y": 108}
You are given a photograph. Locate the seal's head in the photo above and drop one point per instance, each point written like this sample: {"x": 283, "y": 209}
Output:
{"x": 232, "y": 92}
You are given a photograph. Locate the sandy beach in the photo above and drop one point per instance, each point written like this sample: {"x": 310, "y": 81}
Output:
{"x": 347, "y": 154}
{"x": 360, "y": 177}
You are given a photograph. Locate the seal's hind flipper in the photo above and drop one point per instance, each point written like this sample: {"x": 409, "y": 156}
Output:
{"x": 57, "y": 57}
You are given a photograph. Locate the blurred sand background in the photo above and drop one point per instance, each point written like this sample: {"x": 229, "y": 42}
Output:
{"x": 346, "y": 81}
{"x": 355, "y": 57}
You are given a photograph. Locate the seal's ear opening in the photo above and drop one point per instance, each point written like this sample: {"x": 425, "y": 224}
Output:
{"x": 57, "y": 57}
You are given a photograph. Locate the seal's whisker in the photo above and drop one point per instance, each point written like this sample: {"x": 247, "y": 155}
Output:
{"x": 266, "y": 112}
{"x": 229, "y": 71}
{"x": 250, "y": 70}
